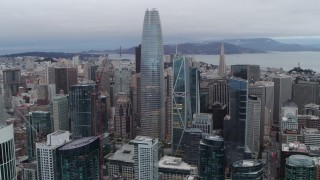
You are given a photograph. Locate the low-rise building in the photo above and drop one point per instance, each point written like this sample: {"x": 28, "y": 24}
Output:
{"x": 174, "y": 168}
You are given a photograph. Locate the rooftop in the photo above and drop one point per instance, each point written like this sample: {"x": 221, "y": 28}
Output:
{"x": 310, "y": 131}
{"x": 300, "y": 161}
{"x": 294, "y": 147}
{"x": 125, "y": 154}
{"x": 214, "y": 137}
{"x": 79, "y": 143}
{"x": 247, "y": 163}
{"x": 172, "y": 162}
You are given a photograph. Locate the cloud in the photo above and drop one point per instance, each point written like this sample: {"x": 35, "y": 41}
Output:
{"x": 80, "y": 21}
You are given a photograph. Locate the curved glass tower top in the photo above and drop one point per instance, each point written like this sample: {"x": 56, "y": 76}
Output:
{"x": 152, "y": 78}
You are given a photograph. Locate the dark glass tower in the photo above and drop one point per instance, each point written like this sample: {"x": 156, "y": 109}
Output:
{"x": 247, "y": 169}
{"x": 79, "y": 159}
{"x": 83, "y": 110}
{"x": 152, "y": 78}
{"x": 300, "y": 167}
{"x": 212, "y": 154}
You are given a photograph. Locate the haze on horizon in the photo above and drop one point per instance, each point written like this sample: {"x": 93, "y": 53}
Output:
{"x": 75, "y": 25}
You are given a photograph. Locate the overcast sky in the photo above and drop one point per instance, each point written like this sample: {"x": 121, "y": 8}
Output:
{"x": 106, "y": 24}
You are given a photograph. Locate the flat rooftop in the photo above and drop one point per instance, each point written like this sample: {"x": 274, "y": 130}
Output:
{"x": 171, "y": 162}
{"x": 247, "y": 163}
{"x": 125, "y": 154}
{"x": 79, "y": 143}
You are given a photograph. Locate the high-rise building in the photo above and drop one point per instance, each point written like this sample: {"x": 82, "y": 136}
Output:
{"x": 47, "y": 157}
{"x": 122, "y": 162}
{"x": 246, "y": 71}
{"x": 7, "y": 151}
{"x": 247, "y": 169}
{"x": 40, "y": 126}
{"x": 253, "y": 124}
{"x": 60, "y": 111}
{"x": 212, "y": 156}
{"x": 300, "y": 167}
{"x": 174, "y": 168}
{"x": 282, "y": 93}
{"x": 123, "y": 125}
{"x": 29, "y": 171}
{"x": 79, "y": 159}
{"x": 194, "y": 89}
{"x": 222, "y": 64}
{"x": 122, "y": 79}
{"x": 305, "y": 92}
{"x": 11, "y": 80}
{"x": 192, "y": 138}
{"x": 83, "y": 110}
{"x": 138, "y": 58}
{"x": 65, "y": 78}
{"x": 152, "y": 79}
{"x": 219, "y": 92}
{"x": 203, "y": 121}
{"x": 181, "y": 106}
{"x": 145, "y": 158}
{"x": 168, "y": 107}
{"x": 289, "y": 113}
{"x": 265, "y": 91}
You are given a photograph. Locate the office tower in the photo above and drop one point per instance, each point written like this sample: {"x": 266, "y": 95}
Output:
{"x": 203, "y": 121}
{"x": 79, "y": 159}
{"x": 51, "y": 91}
{"x": 305, "y": 92}
{"x": 253, "y": 124}
{"x": 222, "y": 64}
{"x": 212, "y": 155}
{"x": 38, "y": 129}
{"x": 171, "y": 167}
{"x": 42, "y": 94}
{"x": 91, "y": 71}
{"x": 7, "y": 151}
{"x": 29, "y": 171}
{"x": 282, "y": 93}
{"x": 75, "y": 60}
{"x": 288, "y": 149}
{"x": 145, "y": 158}
{"x": 50, "y": 75}
{"x": 134, "y": 100}
{"x": 83, "y": 110}
{"x": 138, "y": 58}
{"x": 168, "y": 104}
{"x": 103, "y": 74}
{"x": 11, "y": 80}
{"x": 122, "y": 79}
{"x": 191, "y": 146}
{"x": 181, "y": 106}
{"x": 265, "y": 91}
{"x": 219, "y": 112}
{"x": 289, "y": 113}
{"x": 246, "y": 71}
{"x": 219, "y": 92}
{"x": 235, "y": 128}
{"x": 247, "y": 169}
{"x": 47, "y": 157}
{"x": 123, "y": 125}
{"x": 152, "y": 80}
{"x": 194, "y": 89}
{"x": 3, "y": 115}
{"x": 122, "y": 162}
{"x": 60, "y": 111}
{"x": 300, "y": 167}
{"x": 65, "y": 78}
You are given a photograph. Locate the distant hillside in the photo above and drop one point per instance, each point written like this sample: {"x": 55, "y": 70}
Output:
{"x": 267, "y": 44}
{"x": 51, "y": 55}
{"x": 201, "y": 48}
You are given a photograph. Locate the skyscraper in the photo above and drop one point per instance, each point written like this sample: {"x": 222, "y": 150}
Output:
{"x": 246, "y": 71}
{"x": 8, "y": 158}
{"x": 123, "y": 117}
{"x": 253, "y": 124}
{"x": 60, "y": 111}
{"x": 47, "y": 157}
{"x": 222, "y": 64}
{"x": 181, "y": 109}
{"x": 145, "y": 158}
{"x": 247, "y": 169}
{"x": 282, "y": 93}
{"x": 152, "y": 79}
{"x": 300, "y": 167}
{"x": 212, "y": 155}
{"x": 305, "y": 92}
{"x": 79, "y": 159}
{"x": 83, "y": 110}
{"x": 64, "y": 78}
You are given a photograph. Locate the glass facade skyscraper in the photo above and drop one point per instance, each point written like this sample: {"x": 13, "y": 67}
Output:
{"x": 152, "y": 78}
{"x": 83, "y": 110}
{"x": 79, "y": 159}
{"x": 7, "y": 152}
{"x": 247, "y": 169}
{"x": 300, "y": 167}
{"x": 181, "y": 109}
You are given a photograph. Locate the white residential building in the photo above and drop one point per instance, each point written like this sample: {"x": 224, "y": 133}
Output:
{"x": 145, "y": 158}
{"x": 47, "y": 155}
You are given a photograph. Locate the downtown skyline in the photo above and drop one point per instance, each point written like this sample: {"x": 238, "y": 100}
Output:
{"x": 78, "y": 25}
